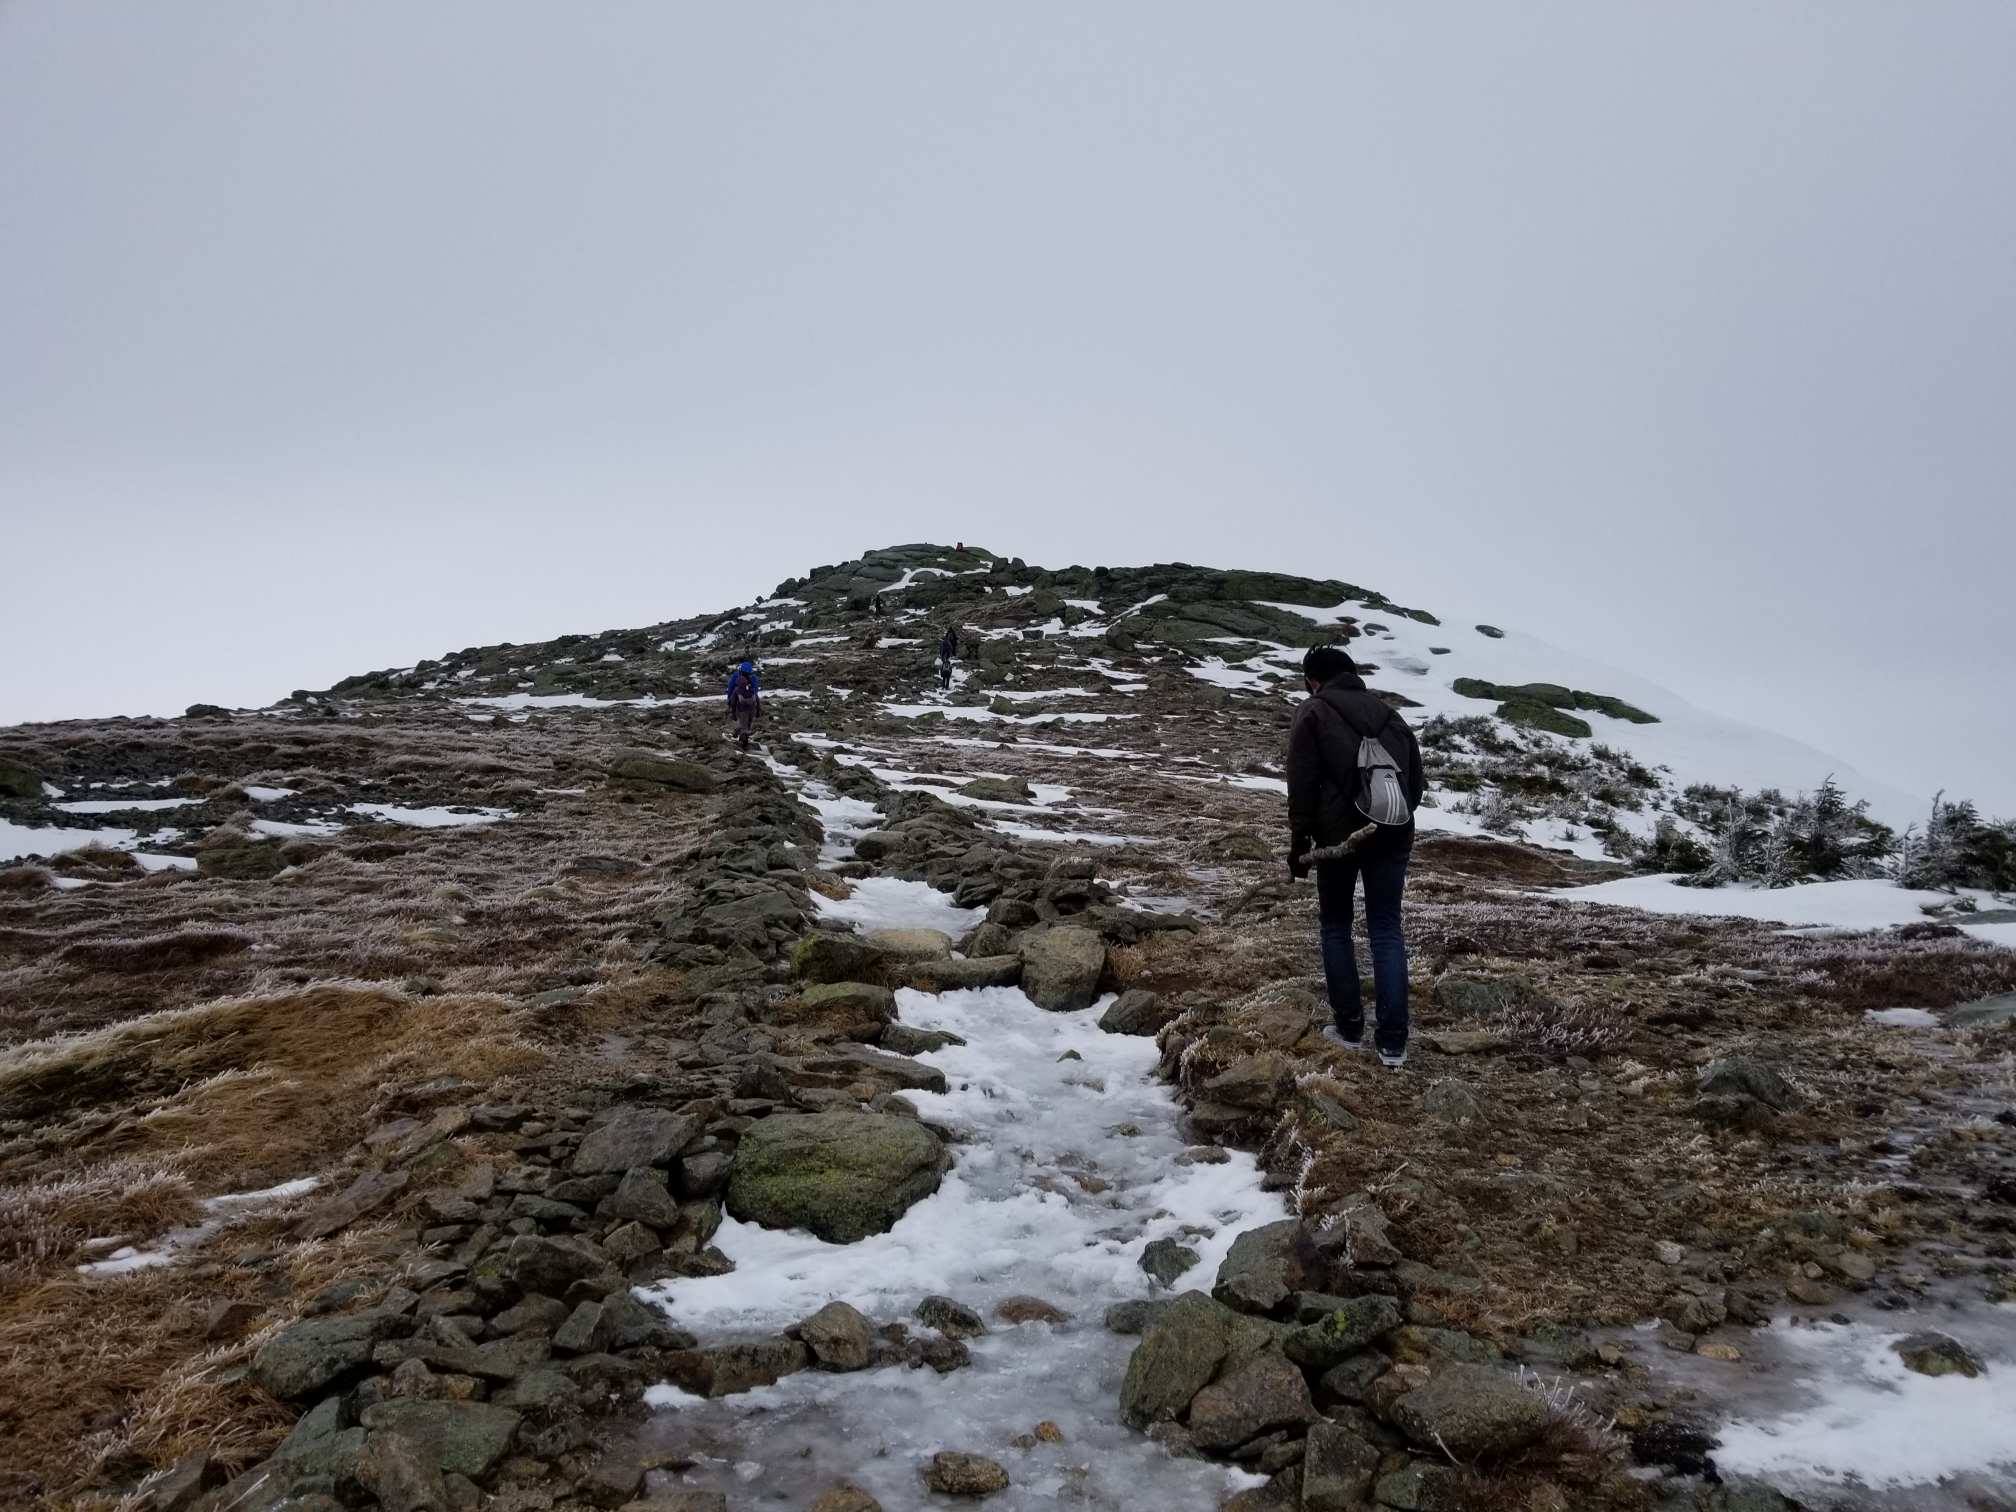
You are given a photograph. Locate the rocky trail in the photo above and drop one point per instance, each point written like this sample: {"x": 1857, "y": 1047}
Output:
{"x": 476, "y": 1085}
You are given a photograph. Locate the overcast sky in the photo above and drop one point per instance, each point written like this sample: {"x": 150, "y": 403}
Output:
{"x": 335, "y": 335}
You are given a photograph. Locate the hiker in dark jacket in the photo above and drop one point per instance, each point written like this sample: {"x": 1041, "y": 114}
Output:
{"x": 1323, "y": 810}
{"x": 948, "y": 649}
{"x": 745, "y": 690}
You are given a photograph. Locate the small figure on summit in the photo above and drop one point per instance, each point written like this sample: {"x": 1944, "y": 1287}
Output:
{"x": 745, "y": 701}
{"x": 1354, "y": 781}
{"x": 948, "y": 649}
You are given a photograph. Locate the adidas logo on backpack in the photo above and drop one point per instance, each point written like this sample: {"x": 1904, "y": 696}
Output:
{"x": 1382, "y": 791}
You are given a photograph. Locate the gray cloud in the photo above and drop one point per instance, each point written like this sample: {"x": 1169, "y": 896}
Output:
{"x": 340, "y": 335}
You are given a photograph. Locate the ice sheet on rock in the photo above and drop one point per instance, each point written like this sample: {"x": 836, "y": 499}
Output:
{"x": 1275, "y": 785}
{"x": 430, "y": 818}
{"x": 1995, "y": 934}
{"x": 1044, "y": 1199}
{"x": 1865, "y": 904}
{"x": 1036, "y": 832}
{"x": 1902, "y": 1018}
{"x": 1101, "y": 753}
{"x": 285, "y": 829}
{"x": 1219, "y": 673}
{"x": 1033, "y": 695}
{"x": 17, "y": 840}
{"x": 152, "y": 862}
{"x": 985, "y": 715}
{"x": 845, "y": 820}
{"x": 123, "y": 805}
{"x": 525, "y": 702}
{"x": 268, "y": 794}
{"x": 1866, "y": 1419}
{"x": 891, "y": 903}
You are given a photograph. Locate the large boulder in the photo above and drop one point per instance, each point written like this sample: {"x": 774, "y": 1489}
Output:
{"x": 839, "y": 1337}
{"x": 843, "y": 1176}
{"x": 457, "y": 1438}
{"x": 1061, "y": 967}
{"x": 638, "y": 1136}
{"x": 1337, "y": 1335}
{"x": 858, "y": 1066}
{"x": 1744, "y": 1077}
{"x": 1265, "y": 1393}
{"x": 901, "y": 946}
{"x": 1180, "y": 1351}
{"x": 1263, "y": 1267}
{"x": 1471, "y": 1412}
{"x": 825, "y": 956}
{"x": 662, "y": 771}
{"x": 728, "y": 1369}
{"x": 952, "y": 1473}
{"x": 840, "y": 1010}
{"x": 950, "y": 975}
{"x": 1138, "y": 1011}
{"x": 999, "y": 790}
{"x": 1337, "y": 1469}
{"x": 533, "y": 1263}
{"x": 305, "y": 1357}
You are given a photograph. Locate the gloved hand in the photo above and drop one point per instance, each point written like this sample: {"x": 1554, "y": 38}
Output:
{"x": 1298, "y": 847}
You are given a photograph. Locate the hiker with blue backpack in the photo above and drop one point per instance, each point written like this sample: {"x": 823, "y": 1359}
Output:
{"x": 1354, "y": 781}
{"x": 745, "y": 694}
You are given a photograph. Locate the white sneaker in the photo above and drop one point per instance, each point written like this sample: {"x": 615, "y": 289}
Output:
{"x": 1391, "y": 1061}
{"x": 1330, "y": 1034}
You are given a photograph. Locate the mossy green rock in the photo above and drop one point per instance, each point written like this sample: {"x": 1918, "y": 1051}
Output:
{"x": 1531, "y": 714}
{"x": 1179, "y": 1353}
{"x": 461, "y": 1438}
{"x": 1338, "y": 1335}
{"x": 999, "y": 789}
{"x": 1536, "y": 704}
{"x": 823, "y": 956}
{"x": 664, "y": 771}
{"x": 843, "y": 1176}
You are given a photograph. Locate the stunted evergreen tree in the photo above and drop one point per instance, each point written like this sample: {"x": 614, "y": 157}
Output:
{"x": 1959, "y": 849}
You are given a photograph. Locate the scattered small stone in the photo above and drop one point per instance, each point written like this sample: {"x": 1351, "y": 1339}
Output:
{"x": 952, "y": 1473}
{"x": 1016, "y": 1310}
{"x": 839, "y": 1337}
{"x": 1165, "y": 1260}
{"x": 952, "y": 1318}
{"x": 844, "y": 1497}
{"x": 1936, "y": 1354}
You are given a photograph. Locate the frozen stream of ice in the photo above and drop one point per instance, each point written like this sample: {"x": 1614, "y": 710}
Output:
{"x": 1064, "y": 1169}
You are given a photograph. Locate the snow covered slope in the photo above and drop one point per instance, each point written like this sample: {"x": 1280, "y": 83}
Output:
{"x": 1696, "y": 744}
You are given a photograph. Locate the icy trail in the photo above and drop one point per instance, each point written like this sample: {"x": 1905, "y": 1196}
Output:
{"x": 1049, "y": 1196}
{"x": 1069, "y": 1158}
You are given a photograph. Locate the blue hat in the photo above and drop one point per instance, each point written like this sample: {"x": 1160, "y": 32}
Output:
{"x": 744, "y": 667}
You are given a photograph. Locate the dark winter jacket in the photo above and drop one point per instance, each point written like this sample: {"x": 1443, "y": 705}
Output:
{"x": 948, "y": 645}
{"x": 1323, "y": 764}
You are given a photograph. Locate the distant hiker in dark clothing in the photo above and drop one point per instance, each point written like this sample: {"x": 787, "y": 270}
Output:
{"x": 1354, "y": 781}
{"x": 948, "y": 649}
{"x": 745, "y": 701}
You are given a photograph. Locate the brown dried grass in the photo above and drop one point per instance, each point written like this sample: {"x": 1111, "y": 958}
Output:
{"x": 262, "y": 1083}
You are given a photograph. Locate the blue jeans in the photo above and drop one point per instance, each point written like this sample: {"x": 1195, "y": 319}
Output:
{"x": 1385, "y": 878}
